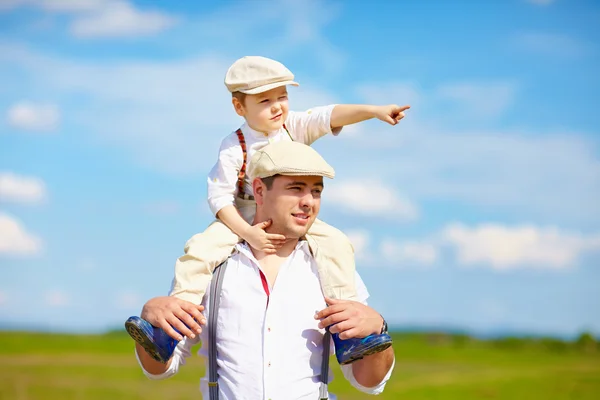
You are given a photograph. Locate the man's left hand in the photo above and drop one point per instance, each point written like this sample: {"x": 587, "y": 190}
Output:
{"x": 351, "y": 319}
{"x": 392, "y": 114}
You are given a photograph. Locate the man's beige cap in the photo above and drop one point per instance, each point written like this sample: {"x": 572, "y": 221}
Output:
{"x": 288, "y": 158}
{"x": 255, "y": 74}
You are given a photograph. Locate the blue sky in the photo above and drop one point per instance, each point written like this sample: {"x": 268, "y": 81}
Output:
{"x": 480, "y": 211}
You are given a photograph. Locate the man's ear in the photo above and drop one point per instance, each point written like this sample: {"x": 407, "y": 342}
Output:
{"x": 258, "y": 187}
{"x": 238, "y": 107}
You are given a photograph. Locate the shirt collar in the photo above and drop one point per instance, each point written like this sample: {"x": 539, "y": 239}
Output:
{"x": 246, "y": 130}
{"x": 244, "y": 248}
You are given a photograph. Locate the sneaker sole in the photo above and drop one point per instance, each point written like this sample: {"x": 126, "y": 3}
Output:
{"x": 138, "y": 335}
{"x": 377, "y": 348}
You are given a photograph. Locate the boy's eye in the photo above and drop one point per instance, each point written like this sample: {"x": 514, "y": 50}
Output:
{"x": 264, "y": 101}
{"x": 283, "y": 98}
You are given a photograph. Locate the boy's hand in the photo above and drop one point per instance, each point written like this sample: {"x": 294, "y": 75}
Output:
{"x": 392, "y": 114}
{"x": 263, "y": 241}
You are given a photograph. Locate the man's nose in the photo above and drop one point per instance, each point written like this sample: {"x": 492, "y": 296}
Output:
{"x": 308, "y": 200}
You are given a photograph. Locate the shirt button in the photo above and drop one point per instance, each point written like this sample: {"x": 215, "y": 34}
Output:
{"x": 269, "y": 329}
{"x": 269, "y": 364}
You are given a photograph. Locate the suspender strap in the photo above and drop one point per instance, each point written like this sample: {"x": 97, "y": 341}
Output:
{"x": 242, "y": 173}
{"x": 325, "y": 367}
{"x": 215, "y": 298}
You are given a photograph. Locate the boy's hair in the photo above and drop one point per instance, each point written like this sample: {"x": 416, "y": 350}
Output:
{"x": 240, "y": 96}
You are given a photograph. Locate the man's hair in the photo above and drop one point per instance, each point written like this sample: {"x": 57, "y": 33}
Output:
{"x": 268, "y": 181}
{"x": 240, "y": 96}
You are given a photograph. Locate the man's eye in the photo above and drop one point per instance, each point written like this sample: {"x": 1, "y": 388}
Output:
{"x": 317, "y": 191}
{"x": 296, "y": 188}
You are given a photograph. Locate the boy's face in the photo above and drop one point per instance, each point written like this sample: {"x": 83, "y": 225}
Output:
{"x": 264, "y": 112}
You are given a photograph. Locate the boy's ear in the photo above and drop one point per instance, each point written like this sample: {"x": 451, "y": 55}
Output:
{"x": 238, "y": 107}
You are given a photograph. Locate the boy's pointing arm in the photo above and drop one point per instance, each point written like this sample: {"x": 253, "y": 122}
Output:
{"x": 348, "y": 114}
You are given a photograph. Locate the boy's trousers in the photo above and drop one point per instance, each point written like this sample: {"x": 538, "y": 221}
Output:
{"x": 331, "y": 248}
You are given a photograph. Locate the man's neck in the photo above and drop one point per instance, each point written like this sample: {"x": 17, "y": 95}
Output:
{"x": 270, "y": 263}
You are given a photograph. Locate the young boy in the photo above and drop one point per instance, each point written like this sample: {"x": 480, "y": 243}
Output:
{"x": 259, "y": 94}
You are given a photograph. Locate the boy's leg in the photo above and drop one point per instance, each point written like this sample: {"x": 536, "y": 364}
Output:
{"x": 202, "y": 253}
{"x": 334, "y": 255}
{"x": 193, "y": 272}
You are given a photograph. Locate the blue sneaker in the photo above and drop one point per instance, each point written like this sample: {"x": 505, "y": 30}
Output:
{"x": 154, "y": 340}
{"x": 350, "y": 350}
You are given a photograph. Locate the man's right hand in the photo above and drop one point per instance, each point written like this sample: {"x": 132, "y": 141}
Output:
{"x": 168, "y": 312}
{"x": 259, "y": 239}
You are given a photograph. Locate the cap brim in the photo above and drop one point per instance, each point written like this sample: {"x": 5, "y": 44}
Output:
{"x": 265, "y": 88}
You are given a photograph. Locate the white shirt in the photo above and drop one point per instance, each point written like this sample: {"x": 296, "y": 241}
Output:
{"x": 304, "y": 127}
{"x": 268, "y": 352}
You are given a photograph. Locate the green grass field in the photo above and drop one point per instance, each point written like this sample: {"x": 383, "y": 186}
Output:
{"x": 40, "y": 366}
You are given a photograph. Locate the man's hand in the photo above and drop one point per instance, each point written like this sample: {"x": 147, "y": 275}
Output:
{"x": 392, "y": 114}
{"x": 168, "y": 312}
{"x": 351, "y": 318}
{"x": 260, "y": 240}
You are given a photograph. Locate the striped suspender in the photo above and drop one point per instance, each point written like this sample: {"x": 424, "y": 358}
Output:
{"x": 242, "y": 173}
{"x": 215, "y": 299}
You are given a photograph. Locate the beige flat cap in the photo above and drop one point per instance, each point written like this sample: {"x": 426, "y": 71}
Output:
{"x": 255, "y": 74}
{"x": 288, "y": 158}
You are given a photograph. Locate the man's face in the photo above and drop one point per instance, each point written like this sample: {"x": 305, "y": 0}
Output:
{"x": 292, "y": 203}
{"x": 265, "y": 112}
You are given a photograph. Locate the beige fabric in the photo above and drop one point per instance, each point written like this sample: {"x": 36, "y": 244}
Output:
{"x": 331, "y": 248}
{"x": 288, "y": 158}
{"x": 255, "y": 74}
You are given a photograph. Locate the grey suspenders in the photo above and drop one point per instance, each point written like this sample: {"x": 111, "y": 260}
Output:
{"x": 214, "y": 299}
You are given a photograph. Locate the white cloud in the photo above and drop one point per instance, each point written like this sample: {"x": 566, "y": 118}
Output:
{"x": 484, "y": 99}
{"x": 56, "y": 298}
{"x": 21, "y": 189}
{"x": 552, "y": 44}
{"x": 14, "y": 239}
{"x": 34, "y": 117}
{"x": 102, "y": 18}
{"x": 119, "y": 19}
{"x": 541, "y": 2}
{"x": 506, "y": 248}
{"x": 3, "y": 298}
{"x": 548, "y": 174}
{"x": 162, "y": 207}
{"x": 370, "y": 198}
{"x": 128, "y": 300}
{"x": 400, "y": 253}
{"x": 360, "y": 241}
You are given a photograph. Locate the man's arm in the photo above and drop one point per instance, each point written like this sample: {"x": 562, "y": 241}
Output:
{"x": 354, "y": 319}
{"x": 348, "y": 114}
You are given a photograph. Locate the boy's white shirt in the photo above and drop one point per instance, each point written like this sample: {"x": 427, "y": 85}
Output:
{"x": 304, "y": 127}
{"x": 268, "y": 352}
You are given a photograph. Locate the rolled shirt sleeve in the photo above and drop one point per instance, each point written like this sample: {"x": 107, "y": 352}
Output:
{"x": 310, "y": 125}
{"x": 222, "y": 178}
{"x": 182, "y": 351}
{"x": 362, "y": 295}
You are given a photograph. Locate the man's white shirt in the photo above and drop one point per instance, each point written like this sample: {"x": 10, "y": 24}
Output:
{"x": 268, "y": 351}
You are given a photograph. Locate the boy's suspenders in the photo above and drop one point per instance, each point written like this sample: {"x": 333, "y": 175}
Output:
{"x": 215, "y": 298}
{"x": 242, "y": 173}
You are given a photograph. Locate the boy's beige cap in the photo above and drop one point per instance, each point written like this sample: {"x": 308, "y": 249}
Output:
{"x": 255, "y": 74}
{"x": 288, "y": 158}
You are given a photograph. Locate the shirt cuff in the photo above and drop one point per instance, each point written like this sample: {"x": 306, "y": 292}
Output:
{"x": 378, "y": 389}
{"x": 335, "y": 131}
{"x": 176, "y": 360}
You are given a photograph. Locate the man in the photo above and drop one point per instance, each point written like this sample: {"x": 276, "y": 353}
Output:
{"x": 272, "y": 313}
